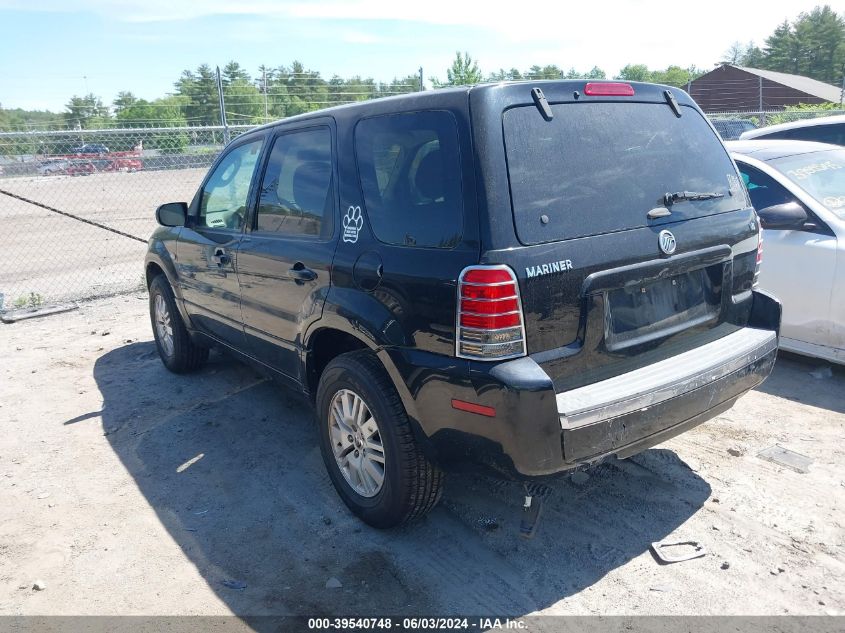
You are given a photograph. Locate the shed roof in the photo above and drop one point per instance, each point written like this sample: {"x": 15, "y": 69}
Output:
{"x": 797, "y": 82}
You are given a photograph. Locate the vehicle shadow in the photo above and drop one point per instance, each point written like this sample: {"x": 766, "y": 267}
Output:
{"x": 230, "y": 464}
{"x": 808, "y": 380}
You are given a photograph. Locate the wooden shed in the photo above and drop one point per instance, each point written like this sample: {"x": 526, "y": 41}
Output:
{"x": 730, "y": 88}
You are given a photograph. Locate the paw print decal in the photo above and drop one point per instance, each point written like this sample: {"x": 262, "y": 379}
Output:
{"x": 353, "y": 222}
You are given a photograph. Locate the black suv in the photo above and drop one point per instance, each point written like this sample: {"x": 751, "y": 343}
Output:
{"x": 528, "y": 276}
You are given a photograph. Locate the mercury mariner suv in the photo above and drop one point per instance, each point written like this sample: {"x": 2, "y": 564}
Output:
{"x": 529, "y": 276}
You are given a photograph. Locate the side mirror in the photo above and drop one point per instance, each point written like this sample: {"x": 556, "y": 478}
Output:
{"x": 172, "y": 214}
{"x": 789, "y": 215}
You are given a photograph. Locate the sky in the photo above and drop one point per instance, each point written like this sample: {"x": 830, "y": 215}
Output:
{"x": 51, "y": 50}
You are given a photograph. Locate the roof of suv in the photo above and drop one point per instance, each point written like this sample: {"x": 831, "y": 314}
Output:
{"x": 421, "y": 96}
{"x": 765, "y": 131}
{"x": 425, "y": 97}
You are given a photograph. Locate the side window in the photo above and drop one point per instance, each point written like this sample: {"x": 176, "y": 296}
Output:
{"x": 224, "y": 196}
{"x": 763, "y": 189}
{"x": 296, "y": 190}
{"x": 833, "y": 134}
{"x": 409, "y": 165}
{"x": 827, "y": 134}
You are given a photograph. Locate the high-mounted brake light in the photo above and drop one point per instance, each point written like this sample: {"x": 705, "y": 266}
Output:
{"x": 608, "y": 89}
{"x": 489, "y": 324}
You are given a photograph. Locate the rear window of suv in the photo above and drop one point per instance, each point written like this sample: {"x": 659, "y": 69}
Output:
{"x": 601, "y": 167}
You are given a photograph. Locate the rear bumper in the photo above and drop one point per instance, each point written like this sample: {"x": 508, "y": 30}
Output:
{"x": 536, "y": 432}
{"x": 623, "y": 414}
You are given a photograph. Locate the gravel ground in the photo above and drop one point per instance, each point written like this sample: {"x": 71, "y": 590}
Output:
{"x": 127, "y": 490}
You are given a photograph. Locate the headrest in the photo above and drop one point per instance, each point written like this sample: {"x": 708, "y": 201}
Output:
{"x": 311, "y": 186}
{"x": 430, "y": 179}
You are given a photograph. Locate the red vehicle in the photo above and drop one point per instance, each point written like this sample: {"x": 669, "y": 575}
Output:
{"x": 79, "y": 168}
{"x": 79, "y": 164}
{"x": 125, "y": 161}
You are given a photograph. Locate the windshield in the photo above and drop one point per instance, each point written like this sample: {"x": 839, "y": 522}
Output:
{"x": 821, "y": 174}
{"x": 601, "y": 167}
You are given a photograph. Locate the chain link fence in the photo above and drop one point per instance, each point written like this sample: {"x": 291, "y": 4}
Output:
{"x": 78, "y": 206}
{"x": 731, "y": 124}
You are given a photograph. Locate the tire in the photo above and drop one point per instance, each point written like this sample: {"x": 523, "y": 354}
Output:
{"x": 179, "y": 354}
{"x": 411, "y": 482}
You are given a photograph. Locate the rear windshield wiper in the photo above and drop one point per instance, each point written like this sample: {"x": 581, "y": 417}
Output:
{"x": 680, "y": 196}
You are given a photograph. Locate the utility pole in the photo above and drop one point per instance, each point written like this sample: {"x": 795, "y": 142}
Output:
{"x": 222, "y": 108}
{"x": 264, "y": 77}
{"x": 422, "y": 85}
{"x": 760, "y": 102}
{"x": 842, "y": 92}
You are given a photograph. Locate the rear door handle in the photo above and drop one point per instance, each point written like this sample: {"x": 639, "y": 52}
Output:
{"x": 300, "y": 273}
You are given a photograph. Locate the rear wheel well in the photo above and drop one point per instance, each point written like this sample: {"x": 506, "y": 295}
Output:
{"x": 326, "y": 345}
{"x": 153, "y": 271}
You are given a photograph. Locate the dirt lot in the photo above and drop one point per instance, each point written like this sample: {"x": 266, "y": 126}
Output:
{"x": 127, "y": 490}
{"x": 38, "y": 245}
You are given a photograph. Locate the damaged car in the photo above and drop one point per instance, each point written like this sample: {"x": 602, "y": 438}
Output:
{"x": 528, "y": 276}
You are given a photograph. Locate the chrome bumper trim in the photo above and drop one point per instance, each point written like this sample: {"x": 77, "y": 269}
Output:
{"x": 642, "y": 388}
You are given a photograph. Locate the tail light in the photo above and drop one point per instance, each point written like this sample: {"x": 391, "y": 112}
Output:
{"x": 490, "y": 324}
{"x": 759, "y": 259}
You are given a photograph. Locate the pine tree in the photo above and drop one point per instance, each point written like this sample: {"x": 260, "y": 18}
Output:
{"x": 86, "y": 112}
{"x": 813, "y": 46}
{"x": 464, "y": 71}
{"x": 820, "y": 41}
{"x": 200, "y": 89}
{"x": 123, "y": 100}
{"x": 781, "y": 52}
{"x": 233, "y": 72}
{"x": 753, "y": 56}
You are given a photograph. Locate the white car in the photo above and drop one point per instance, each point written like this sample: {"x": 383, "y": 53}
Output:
{"x": 50, "y": 167}
{"x": 826, "y": 129}
{"x": 798, "y": 190}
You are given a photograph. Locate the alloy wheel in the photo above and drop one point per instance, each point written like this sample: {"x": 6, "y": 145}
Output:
{"x": 356, "y": 443}
{"x": 164, "y": 327}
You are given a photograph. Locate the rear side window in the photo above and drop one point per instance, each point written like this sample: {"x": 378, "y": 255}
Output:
{"x": 601, "y": 167}
{"x": 296, "y": 191}
{"x": 409, "y": 165}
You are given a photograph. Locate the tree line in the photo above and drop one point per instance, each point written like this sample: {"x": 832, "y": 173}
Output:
{"x": 465, "y": 71}
{"x": 275, "y": 93}
{"x": 812, "y": 45}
